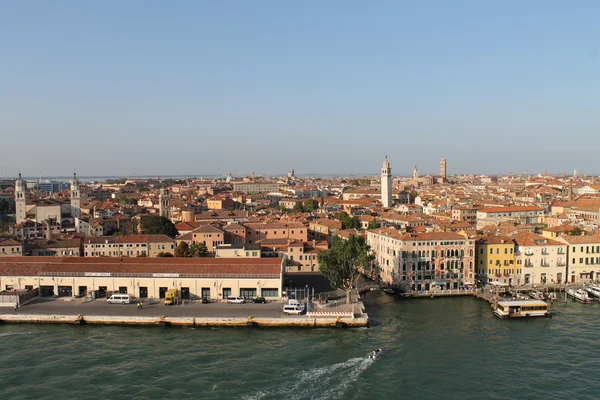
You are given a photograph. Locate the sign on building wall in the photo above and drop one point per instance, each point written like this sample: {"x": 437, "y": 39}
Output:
{"x": 97, "y": 274}
{"x": 165, "y": 275}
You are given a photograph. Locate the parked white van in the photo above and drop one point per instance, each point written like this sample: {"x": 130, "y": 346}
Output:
{"x": 293, "y": 302}
{"x": 235, "y": 300}
{"x": 119, "y": 298}
{"x": 292, "y": 309}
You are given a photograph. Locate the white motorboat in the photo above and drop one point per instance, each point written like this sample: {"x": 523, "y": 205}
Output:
{"x": 552, "y": 296}
{"x": 522, "y": 296}
{"x": 536, "y": 294}
{"x": 579, "y": 295}
{"x": 375, "y": 353}
{"x": 594, "y": 290}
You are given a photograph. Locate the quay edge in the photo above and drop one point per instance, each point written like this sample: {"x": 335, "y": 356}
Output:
{"x": 314, "y": 322}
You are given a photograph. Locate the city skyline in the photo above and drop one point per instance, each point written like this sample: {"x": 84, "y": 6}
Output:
{"x": 150, "y": 89}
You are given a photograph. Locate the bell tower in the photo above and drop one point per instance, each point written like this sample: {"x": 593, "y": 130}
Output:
{"x": 163, "y": 198}
{"x": 20, "y": 200}
{"x": 386, "y": 184}
{"x": 75, "y": 197}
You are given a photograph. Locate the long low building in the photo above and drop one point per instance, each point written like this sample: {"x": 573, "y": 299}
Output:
{"x": 214, "y": 278}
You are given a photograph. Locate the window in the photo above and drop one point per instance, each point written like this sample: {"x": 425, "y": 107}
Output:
{"x": 491, "y": 251}
{"x": 206, "y": 292}
{"x": 226, "y": 292}
{"x": 267, "y": 292}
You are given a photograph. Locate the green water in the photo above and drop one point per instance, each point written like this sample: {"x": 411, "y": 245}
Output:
{"x": 435, "y": 348}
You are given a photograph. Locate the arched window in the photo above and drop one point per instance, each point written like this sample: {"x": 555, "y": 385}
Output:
{"x": 462, "y": 253}
{"x": 442, "y": 266}
{"x": 442, "y": 253}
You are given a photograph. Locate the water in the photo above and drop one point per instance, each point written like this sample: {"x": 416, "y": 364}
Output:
{"x": 443, "y": 348}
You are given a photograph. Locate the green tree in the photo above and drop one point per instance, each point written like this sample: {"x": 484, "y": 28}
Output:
{"x": 374, "y": 225}
{"x": 198, "y": 250}
{"x": 347, "y": 221}
{"x": 125, "y": 201}
{"x": 182, "y": 250}
{"x": 158, "y": 225}
{"x": 575, "y": 231}
{"x": 164, "y": 254}
{"x": 322, "y": 201}
{"x": 298, "y": 207}
{"x": 341, "y": 264}
{"x": 310, "y": 205}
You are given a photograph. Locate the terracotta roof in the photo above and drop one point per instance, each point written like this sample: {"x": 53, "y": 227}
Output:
{"x": 34, "y": 266}
{"x": 510, "y": 209}
{"x": 586, "y": 239}
{"x": 494, "y": 240}
{"x": 531, "y": 239}
{"x": 273, "y": 225}
{"x": 128, "y": 239}
{"x": 10, "y": 242}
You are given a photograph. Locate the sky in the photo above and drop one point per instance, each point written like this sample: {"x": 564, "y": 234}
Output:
{"x": 210, "y": 87}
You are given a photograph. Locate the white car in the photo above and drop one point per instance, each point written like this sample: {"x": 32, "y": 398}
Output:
{"x": 235, "y": 300}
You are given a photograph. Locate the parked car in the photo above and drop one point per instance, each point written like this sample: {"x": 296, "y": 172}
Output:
{"x": 235, "y": 300}
{"x": 204, "y": 300}
{"x": 259, "y": 299}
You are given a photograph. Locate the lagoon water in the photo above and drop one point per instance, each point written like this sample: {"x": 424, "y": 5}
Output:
{"x": 434, "y": 348}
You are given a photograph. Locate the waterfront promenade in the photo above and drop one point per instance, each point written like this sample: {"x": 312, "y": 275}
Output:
{"x": 154, "y": 312}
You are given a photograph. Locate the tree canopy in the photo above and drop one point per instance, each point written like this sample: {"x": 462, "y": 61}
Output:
{"x": 342, "y": 262}
{"x": 182, "y": 250}
{"x": 164, "y": 254}
{"x": 198, "y": 250}
{"x": 158, "y": 225}
{"x": 347, "y": 221}
{"x": 310, "y": 205}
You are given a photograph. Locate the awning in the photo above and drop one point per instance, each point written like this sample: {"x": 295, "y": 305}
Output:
{"x": 498, "y": 283}
{"x": 438, "y": 282}
{"x": 467, "y": 283}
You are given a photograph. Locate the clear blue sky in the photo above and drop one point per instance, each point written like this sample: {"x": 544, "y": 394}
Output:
{"x": 208, "y": 87}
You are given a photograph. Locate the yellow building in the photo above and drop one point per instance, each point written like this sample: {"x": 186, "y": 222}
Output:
{"x": 496, "y": 259}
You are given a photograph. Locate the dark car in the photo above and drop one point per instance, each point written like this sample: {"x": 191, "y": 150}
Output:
{"x": 204, "y": 300}
{"x": 259, "y": 300}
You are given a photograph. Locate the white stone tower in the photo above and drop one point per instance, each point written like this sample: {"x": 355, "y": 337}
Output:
{"x": 75, "y": 197}
{"x": 443, "y": 169}
{"x": 163, "y": 209}
{"x": 386, "y": 184}
{"x": 20, "y": 200}
{"x": 415, "y": 173}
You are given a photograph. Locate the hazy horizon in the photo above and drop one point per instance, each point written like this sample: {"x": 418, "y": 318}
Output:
{"x": 143, "y": 87}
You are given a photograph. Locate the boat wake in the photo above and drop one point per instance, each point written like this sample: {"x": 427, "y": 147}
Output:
{"x": 4, "y": 334}
{"x": 330, "y": 382}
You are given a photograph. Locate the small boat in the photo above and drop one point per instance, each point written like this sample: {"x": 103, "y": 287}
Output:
{"x": 594, "y": 290}
{"x": 375, "y": 353}
{"x": 579, "y": 295}
{"x": 551, "y": 296}
{"x": 536, "y": 294}
{"x": 388, "y": 290}
{"x": 522, "y": 296}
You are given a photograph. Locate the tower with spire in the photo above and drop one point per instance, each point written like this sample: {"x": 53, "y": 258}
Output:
{"x": 386, "y": 184}
{"x": 415, "y": 173}
{"x": 75, "y": 197}
{"x": 20, "y": 200}
{"x": 163, "y": 198}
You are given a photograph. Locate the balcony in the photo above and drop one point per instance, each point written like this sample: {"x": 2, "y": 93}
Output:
{"x": 528, "y": 265}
